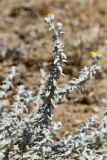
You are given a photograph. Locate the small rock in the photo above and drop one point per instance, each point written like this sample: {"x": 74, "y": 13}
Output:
{"x": 77, "y": 122}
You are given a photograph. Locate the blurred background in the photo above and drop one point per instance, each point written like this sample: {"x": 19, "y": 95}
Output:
{"x": 25, "y": 42}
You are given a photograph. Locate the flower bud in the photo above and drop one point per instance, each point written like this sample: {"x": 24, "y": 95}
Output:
{"x": 59, "y": 25}
{"x": 49, "y": 18}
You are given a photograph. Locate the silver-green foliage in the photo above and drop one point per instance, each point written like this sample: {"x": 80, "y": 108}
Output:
{"x": 30, "y": 136}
